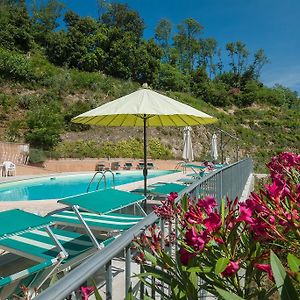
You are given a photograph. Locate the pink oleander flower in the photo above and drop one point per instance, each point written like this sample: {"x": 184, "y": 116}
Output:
{"x": 86, "y": 291}
{"x": 208, "y": 204}
{"x": 231, "y": 269}
{"x": 265, "y": 268}
{"x": 219, "y": 240}
{"x": 281, "y": 164}
{"x": 212, "y": 222}
{"x": 185, "y": 256}
{"x": 195, "y": 240}
{"x": 194, "y": 215}
{"x": 272, "y": 220}
{"x": 172, "y": 196}
{"x": 278, "y": 189}
{"x": 245, "y": 213}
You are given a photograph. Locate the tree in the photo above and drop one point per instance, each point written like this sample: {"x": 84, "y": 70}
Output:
{"x": 121, "y": 53}
{"x": 83, "y": 45}
{"x": 187, "y": 43}
{"x": 15, "y": 26}
{"x": 44, "y": 17}
{"x": 126, "y": 20}
{"x": 162, "y": 35}
{"x": 171, "y": 79}
{"x": 260, "y": 59}
{"x": 207, "y": 53}
{"x": 198, "y": 80}
{"x": 238, "y": 54}
{"x": 147, "y": 62}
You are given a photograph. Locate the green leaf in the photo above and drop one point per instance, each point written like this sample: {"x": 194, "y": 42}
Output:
{"x": 223, "y": 210}
{"x": 193, "y": 269}
{"x": 151, "y": 258}
{"x": 96, "y": 292}
{"x": 167, "y": 259}
{"x": 184, "y": 203}
{"x": 228, "y": 296}
{"x": 282, "y": 280}
{"x": 293, "y": 262}
{"x": 221, "y": 265}
{"x": 130, "y": 295}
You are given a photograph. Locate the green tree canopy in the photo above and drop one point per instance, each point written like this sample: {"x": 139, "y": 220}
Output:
{"x": 126, "y": 20}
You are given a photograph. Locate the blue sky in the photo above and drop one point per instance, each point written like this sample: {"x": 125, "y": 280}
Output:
{"x": 269, "y": 24}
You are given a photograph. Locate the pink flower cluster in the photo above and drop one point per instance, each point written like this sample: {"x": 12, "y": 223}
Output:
{"x": 270, "y": 217}
{"x": 282, "y": 164}
{"x": 86, "y": 291}
{"x": 168, "y": 209}
{"x": 274, "y": 211}
{"x": 202, "y": 223}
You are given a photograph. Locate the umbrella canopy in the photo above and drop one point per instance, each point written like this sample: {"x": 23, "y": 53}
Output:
{"x": 188, "y": 153}
{"x": 144, "y": 108}
{"x": 131, "y": 110}
{"x": 214, "y": 147}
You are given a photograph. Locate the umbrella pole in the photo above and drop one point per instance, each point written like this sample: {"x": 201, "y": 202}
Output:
{"x": 145, "y": 170}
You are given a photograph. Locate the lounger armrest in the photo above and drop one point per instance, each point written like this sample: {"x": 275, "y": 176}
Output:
{"x": 34, "y": 269}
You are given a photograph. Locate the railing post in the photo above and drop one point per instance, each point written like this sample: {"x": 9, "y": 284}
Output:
{"x": 127, "y": 269}
{"x": 221, "y": 185}
{"x": 108, "y": 278}
{"x": 142, "y": 285}
{"x": 162, "y": 230}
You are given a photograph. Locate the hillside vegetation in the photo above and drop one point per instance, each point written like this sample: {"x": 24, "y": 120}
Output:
{"x": 48, "y": 76}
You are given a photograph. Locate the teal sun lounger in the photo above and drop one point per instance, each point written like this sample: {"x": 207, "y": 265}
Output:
{"x": 47, "y": 251}
{"x": 161, "y": 189}
{"x": 95, "y": 210}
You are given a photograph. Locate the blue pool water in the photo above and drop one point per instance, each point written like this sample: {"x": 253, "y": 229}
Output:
{"x": 64, "y": 186}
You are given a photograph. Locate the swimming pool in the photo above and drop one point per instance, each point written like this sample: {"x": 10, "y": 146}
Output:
{"x": 66, "y": 185}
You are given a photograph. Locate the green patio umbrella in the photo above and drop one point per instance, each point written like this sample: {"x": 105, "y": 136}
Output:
{"x": 144, "y": 108}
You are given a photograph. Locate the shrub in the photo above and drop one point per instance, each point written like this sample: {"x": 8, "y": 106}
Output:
{"x": 77, "y": 149}
{"x": 45, "y": 125}
{"x": 13, "y": 133}
{"x": 215, "y": 93}
{"x": 73, "y": 110}
{"x": 229, "y": 250}
{"x": 131, "y": 148}
{"x": 15, "y": 66}
{"x": 7, "y": 102}
{"x": 27, "y": 101}
{"x": 158, "y": 150}
{"x": 170, "y": 78}
{"x": 37, "y": 156}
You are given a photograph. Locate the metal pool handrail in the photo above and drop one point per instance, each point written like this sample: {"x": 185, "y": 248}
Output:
{"x": 215, "y": 184}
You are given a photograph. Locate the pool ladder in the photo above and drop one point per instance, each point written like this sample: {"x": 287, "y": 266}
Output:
{"x": 103, "y": 177}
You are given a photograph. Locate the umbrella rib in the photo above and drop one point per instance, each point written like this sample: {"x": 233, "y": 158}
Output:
{"x": 89, "y": 120}
{"x": 123, "y": 120}
{"x": 181, "y": 118}
{"x": 192, "y": 117}
{"x": 114, "y": 117}
{"x": 159, "y": 118}
{"x": 172, "y": 121}
{"x": 101, "y": 118}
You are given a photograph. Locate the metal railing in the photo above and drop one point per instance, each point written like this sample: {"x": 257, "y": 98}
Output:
{"x": 229, "y": 181}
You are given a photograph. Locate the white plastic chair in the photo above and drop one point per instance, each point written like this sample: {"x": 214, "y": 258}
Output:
{"x": 9, "y": 168}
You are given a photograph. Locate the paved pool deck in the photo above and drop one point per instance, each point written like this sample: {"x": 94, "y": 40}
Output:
{"x": 43, "y": 207}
